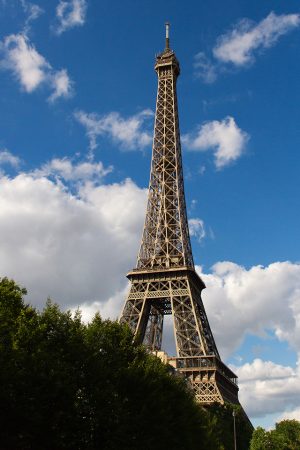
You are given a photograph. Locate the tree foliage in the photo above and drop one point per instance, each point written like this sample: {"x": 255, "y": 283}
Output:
{"x": 286, "y": 436}
{"x": 67, "y": 385}
{"x": 221, "y": 426}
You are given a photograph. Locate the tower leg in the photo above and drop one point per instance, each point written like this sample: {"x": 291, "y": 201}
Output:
{"x": 135, "y": 314}
{"x": 154, "y": 330}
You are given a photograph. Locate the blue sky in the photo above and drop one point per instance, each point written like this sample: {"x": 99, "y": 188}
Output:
{"x": 77, "y": 96}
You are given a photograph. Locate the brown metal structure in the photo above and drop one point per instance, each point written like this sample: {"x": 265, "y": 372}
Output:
{"x": 164, "y": 280}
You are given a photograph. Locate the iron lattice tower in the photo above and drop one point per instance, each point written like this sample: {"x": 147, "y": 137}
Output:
{"x": 164, "y": 280}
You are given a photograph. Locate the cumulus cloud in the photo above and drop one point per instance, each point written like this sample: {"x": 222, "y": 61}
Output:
{"x": 267, "y": 388}
{"x": 129, "y": 132}
{"x": 7, "y": 157}
{"x": 197, "y": 228}
{"x": 62, "y": 85}
{"x": 74, "y": 248}
{"x": 224, "y": 138}
{"x": 241, "y": 302}
{"x": 70, "y": 14}
{"x": 67, "y": 170}
{"x": 238, "y": 46}
{"x": 30, "y": 68}
{"x": 264, "y": 370}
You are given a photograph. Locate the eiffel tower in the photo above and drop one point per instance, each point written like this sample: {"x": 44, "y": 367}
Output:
{"x": 164, "y": 280}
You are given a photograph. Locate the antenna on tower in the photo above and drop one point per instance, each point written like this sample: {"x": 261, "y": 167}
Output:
{"x": 167, "y": 35}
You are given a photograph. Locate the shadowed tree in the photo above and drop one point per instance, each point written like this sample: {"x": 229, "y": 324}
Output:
{"x": 220, "y": 426}
{"x": 67, "y": 385}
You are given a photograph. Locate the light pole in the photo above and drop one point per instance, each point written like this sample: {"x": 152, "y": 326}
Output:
{"x": 234, "y": 430}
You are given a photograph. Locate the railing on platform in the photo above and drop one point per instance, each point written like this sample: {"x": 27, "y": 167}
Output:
{"x": 202, "y": 362}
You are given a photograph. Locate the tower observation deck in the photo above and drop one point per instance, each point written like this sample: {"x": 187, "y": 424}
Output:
{"x": 164, "y": 280}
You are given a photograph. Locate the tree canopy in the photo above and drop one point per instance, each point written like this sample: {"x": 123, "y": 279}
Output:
{"x": 65, "y": 384}
{"x": 68, "y": 385}
{"x": 285, "y": 436}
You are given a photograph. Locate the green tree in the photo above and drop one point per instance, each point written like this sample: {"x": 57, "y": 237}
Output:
{"x": 289, "y": 432}
{"x": 260, "y": 439}
{"x": 67, "y": 385}
{"x": 285, "y": 436}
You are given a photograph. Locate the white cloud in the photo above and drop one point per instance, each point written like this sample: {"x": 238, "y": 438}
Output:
{"x": 71, "y": 13}
{"x": 30, "y": 68}
{"x": 8, "y": 158}
{"x": 62, "y": 85}
{"x": 224, "y": 137}
{"x": 268, "y": 388}
{"x": 264, "y": 370}
{"x": 197, "y": 229}
{"x": 129, "y": 132}
{"x": 74, "y": 248}
{"x": 241, "y": 302}
{"x": 65, "y": 169}
{"x": 238, "y": 46}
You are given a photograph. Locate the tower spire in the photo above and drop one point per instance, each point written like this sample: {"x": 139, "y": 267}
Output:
{"x": 167, "y": 35}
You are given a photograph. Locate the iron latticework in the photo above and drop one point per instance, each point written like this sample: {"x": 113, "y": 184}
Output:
{"x": 164, "y": 280}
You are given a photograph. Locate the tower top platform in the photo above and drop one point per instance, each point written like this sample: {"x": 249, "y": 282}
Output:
{"x": 167, "y": 57}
